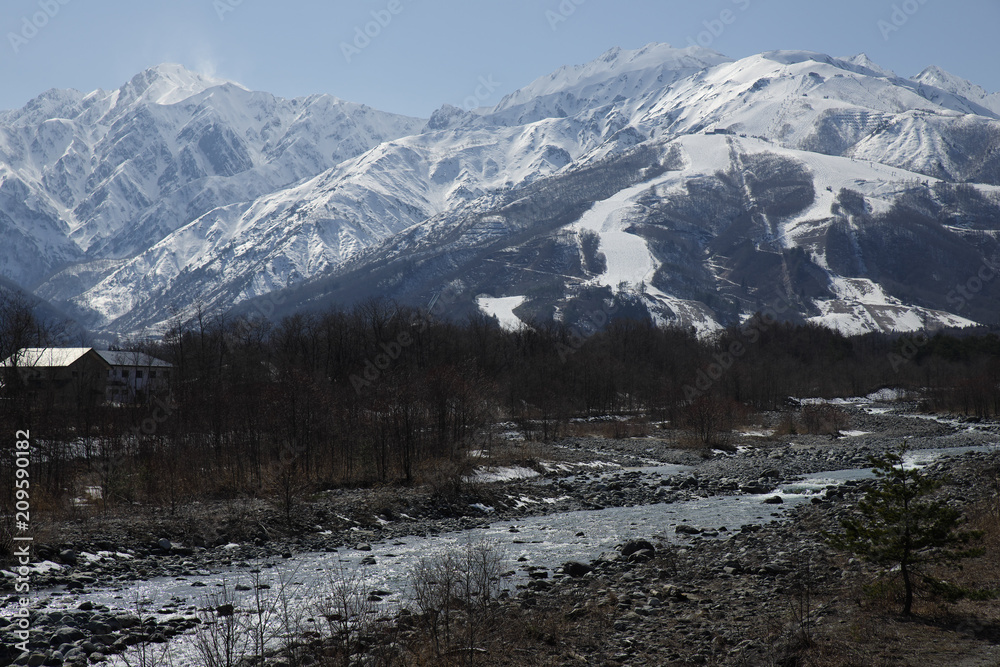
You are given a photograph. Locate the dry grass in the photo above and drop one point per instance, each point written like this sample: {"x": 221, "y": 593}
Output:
{"x": 611, "y": 429}
{"x": 870, "y": 631}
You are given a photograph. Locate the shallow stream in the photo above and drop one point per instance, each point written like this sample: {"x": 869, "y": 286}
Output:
{"x": 539, "y": 542}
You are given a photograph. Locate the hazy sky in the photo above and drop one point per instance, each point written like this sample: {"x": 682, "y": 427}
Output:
{"x": 429, "y": 52}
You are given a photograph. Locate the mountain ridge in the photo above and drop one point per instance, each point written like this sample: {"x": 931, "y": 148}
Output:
{"x": 206, "y": 194}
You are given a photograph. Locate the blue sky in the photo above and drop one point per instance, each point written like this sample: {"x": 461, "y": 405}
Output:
{"x": 429, "y": 52}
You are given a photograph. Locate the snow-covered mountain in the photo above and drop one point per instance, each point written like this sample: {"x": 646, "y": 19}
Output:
{"x": 702, "y": 187}
{"x": 104, "y": 176}
{"x": 938, "y": 78}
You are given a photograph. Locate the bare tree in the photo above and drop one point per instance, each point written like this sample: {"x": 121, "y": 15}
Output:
{"x": 349, "y": 609}
{"x": 459, "y": 586}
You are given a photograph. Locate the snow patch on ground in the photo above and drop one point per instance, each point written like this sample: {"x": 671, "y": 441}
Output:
{"x": 501, "y": 474}
{"x": 483, "y": 508}
{"x": 885, "y": 395}
{"x": 862, "y": 306}
{"x": 628, "y": 260}
{"x": 502, "y": 308}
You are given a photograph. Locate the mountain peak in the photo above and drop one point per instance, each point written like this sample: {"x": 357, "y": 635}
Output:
{"x": 945, "y": 80}
{"x": 862, "y": 60}
{"x": 940, "y": 78}
{"x": 167, "y": 83}
{"x": 661, "y": 53}
{"x": 614, "y": 63}
{"x": 610, "y": 55}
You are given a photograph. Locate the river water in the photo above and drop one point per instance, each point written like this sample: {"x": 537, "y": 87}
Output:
{"x": 539, "y": 542}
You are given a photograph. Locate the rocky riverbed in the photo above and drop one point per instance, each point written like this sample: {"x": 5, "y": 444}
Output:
{"x": 705, "y": 586}
{"x": 766, "y": 595}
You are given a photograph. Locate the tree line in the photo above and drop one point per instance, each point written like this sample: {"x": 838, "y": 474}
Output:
{"x": 382, "y": 393}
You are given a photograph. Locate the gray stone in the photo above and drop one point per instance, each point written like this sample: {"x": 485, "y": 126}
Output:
{"x": 33, "y": 659}
{"x": 125, "y": 621}
{"x": 733, "y": 567}
{"x": 575, "y": 568}
{"x": 633, "y": 546}
{"x": 65, "y": 635}
{"x": 97, "y": 627}
{"x": 74, "y": 655}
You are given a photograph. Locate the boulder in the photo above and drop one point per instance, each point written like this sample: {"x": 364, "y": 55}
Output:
{"x": 575, "y": 568}
{"x": 66, "y": 635}
{"x": 732, "y": 567}
{"x": 642, "y": 556}
{"x": 97, "y": 627}
{"x": 633, "y": 546}
{"x": 32, "y": 659}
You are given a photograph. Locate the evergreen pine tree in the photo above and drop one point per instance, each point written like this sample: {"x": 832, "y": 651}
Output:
{"x": 896, "y": 525}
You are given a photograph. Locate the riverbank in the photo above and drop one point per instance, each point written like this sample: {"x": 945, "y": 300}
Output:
{"x": 631, "y": 600}
{"x": 779, "y": 595}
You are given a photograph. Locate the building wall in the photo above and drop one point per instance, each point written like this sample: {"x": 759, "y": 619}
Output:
{"x": 129, "y": 383}
{"x": 80, "y": 384}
